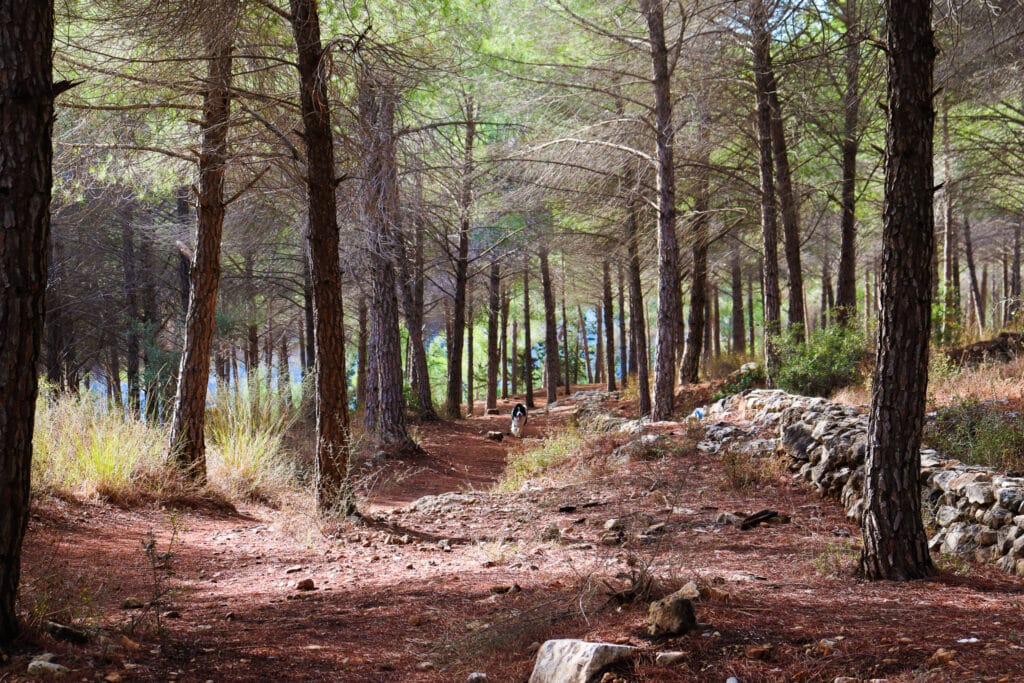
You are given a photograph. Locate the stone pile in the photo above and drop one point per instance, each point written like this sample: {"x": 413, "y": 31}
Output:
{"x": 972, "y": 511}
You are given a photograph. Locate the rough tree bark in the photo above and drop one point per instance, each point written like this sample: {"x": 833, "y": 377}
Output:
{"x": 895, "y": 544}
{"x": 503, "y": 351}
{"x": 697, "y": 321}
{"x": 333, "y": 489}
{"x": 27, "y": 93}
{"x": 769, "y": 226}
{"x": 637, "y": 325}
{"x": 623, "y": 337}
{"x": 493, "y": 359}
{"x": 846, "y": 284}
{"x": 739, "y": 333}
{"x": 977, "y": 294}
{"x": 550, "y": 329}
{"x": 527, "y": 344}
{"x": 669, "y": 304}
{"x": 453, "y": 395}
{"x": 378, "y": 193}
{"x": 187, "y": 445}
{"x": 586, "y": 343}
{"x": 609, "y": 326}
{"x": 412, "y": 290}
{"x": 362, "y": 342}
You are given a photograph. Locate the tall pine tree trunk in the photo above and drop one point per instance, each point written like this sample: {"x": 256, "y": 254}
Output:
{"x": 333, "y": 489}
{"x": 187, "y": 444}
{"x": 550, "y": 329}
{"x": 846, "y": 284}
{"x": 27, "y": 92}
{"x": 739, "y": 334}
{"x": 412, "y": 290}
{"x": 623, "y": 337}
{"x": 453, "y": 396}
{"x": 527, "y": 343}
{"x": 761, "y": 46}
{"x": 503, "y": 351}
{"x": 669, "y": 304}
{"x": 493, "y": 315}
{"x": 699, "y": 270}
{"x": 895, "y": 544}
{"x": 380, "y": 213}
{"x": 609, "y": 325}
{"x": 637, "y": 325}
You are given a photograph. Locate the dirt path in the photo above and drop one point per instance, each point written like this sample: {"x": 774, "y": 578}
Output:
{"x": 473, "y": 582}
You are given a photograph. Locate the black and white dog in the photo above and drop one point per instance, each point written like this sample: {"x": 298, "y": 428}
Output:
{"x": 518, "y": 420}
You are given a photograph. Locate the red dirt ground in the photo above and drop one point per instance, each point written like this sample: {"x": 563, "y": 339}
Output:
{"x": 432, "y": 595}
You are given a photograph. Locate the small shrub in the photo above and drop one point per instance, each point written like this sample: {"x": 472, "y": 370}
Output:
{"x": 744, "y": 471}
{"x": 533, "y": 461}
{"x": 978, "y": 434}
{"x": 748, "y": 376}
{"x": 246, "y": 430}
{"x": 83, "y": 447}
{"x": 838, "y": 559}
{"x": 830, "y": 359}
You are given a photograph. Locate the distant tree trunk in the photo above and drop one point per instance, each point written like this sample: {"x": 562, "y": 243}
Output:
{"x": 309, "y": 348}
{"x": 550, "y": 329}
{"x": 527, "y": 344}
{"x": 333, "y": 489}
{"x": 412, "y": 291}
{"x": 637, "y": 325}
{"x": 586, "y": 343}
{"x": 565, "y": 341}
{"x": 717, "y": 333}
{"x": 763, "y": 83}
{"x": 895, "y": 544}
{"x": 983, "y": 308}
{"x": 950, "y": 271}
{"x": 515, "y": 357}
{"x": 690, "y": 371}
{"x": 362, "y": 343}
{"x": 609, "y": 325}
{"x": 709, "y": 325}
{"x": 846, "y": 285}
{"x": 378, "y": 101}
{"x": 187, "y": 444}
{"x": 977, "y": 299}
{"x": 1014, "y": 306}
{"x": 284, "y": 375}
{"x": 155, "y": 376}
{"x": 465, "y": 201}
{"x": 182, "y": 213}
{"x": 599, "y": 375}
{"x": 503, "y": 351}
{"x": 751, "y": 324}
{"x": 470, "y": 374}
{"x": 623, "y": 337}
{"x": 493, "y": 359}
{"x": 27, "y": 92}
{"x": 131, "y": 308}
{"x": 739, "y": 334}
{"x": 669, "y": 304}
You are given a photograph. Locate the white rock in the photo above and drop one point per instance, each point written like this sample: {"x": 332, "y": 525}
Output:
{"x": 43, "y": 666}
{"x": 575, "y": 661}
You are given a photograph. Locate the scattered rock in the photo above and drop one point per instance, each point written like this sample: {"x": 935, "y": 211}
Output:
{"x": 495, "y": 436}
{"x": 305, "y": 585}
{"x": 942, "y": 656}
{"x": 477, "y": 677}
{"x": 669, "y": 658}
{"x": 576, "y": 661}
{"x": 294, "y": 569}
{"x": 132, "y": 603}
{"x": 445, "y": 545}
{"x": 672, "y": 615}
{"x": 758, "y": 651}
{"x": 551, "y": 533}
{"x": 44, "y": 666}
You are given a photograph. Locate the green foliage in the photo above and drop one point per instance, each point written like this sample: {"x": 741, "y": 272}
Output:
{"x": 749, "y": 376}
{"x": 536, "y": 460}
{"x": 978, "y": 434}
{"x": 830, "y": 359}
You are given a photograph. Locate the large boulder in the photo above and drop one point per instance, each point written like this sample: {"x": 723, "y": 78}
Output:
{"x": 576, "y": 661}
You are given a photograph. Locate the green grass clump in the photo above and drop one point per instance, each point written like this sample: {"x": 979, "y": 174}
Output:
{"x": 246, "y": 431}
{"x": 83, "y": 447}
{"x": 535, "y": 460}
{"x": 830, "y": 359}
{"x": 978, "y": 434}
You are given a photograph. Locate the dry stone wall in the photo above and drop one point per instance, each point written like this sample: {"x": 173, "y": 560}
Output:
{"x": 972, "y": 511}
